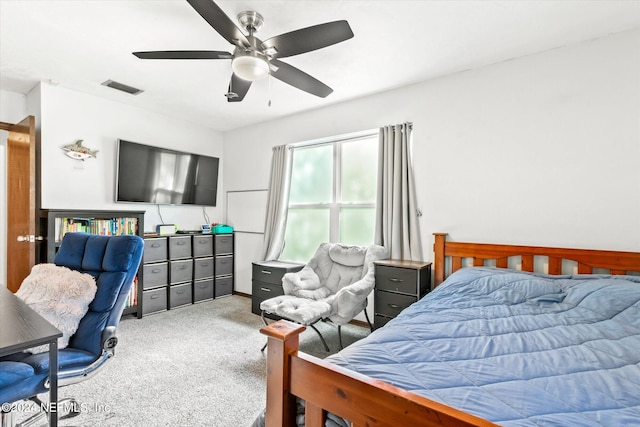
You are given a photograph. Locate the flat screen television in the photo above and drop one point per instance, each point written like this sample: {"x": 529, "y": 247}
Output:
{"x": 146, "y": 174}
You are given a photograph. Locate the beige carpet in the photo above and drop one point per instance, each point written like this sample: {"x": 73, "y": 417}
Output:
{"x": 199, "y": 365}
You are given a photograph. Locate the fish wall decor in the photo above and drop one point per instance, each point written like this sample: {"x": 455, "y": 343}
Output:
{"x": 78, "y": 151}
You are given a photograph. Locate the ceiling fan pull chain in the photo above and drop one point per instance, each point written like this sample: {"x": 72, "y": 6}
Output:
{"x": 269, "y": 90}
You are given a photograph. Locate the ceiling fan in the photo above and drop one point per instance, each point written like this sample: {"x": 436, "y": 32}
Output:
{"x": 254, "y": 59}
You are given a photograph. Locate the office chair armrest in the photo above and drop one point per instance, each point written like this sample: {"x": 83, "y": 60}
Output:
{"x": 77, "y": 375}
{"x": 72, "y": 376}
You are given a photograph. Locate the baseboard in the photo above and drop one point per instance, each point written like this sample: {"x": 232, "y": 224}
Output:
{"x": 359, "y": 323}
{"x": 242, "y": 294}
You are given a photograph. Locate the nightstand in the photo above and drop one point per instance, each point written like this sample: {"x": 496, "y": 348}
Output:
{"x": 398, "y": 285}
{"x": 266, "y": 281}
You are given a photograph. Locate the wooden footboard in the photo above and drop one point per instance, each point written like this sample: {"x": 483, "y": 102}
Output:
{"x": 368, "y": 402}
{"x": 329, "y": 388}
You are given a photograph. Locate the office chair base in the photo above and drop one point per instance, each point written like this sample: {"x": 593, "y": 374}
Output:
{"x": 7, "y": 419}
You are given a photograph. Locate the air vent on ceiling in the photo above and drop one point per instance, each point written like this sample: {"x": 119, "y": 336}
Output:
{"x": 122, "y": 87}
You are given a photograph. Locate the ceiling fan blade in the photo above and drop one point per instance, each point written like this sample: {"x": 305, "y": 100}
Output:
{"x": 297, "y": 78}
{"x": 183, "y": 54}
{"x": 220, "y": 22}
{"x": 238, "y": 88}
{"x": 308, "y": 39}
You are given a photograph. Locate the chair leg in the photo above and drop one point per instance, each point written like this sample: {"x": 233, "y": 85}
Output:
{"x": 264, "y": 320}
{"x": 366, "y": 315}
{"x": 326, "y": 347}
{"x": 265, "y": 324}
{"x": 68, "y": 404}
{"x": 340, "y": 336}
{"x": 7, "y": 419}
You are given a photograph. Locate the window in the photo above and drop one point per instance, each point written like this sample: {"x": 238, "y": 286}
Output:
{"x": 332, "y": 196}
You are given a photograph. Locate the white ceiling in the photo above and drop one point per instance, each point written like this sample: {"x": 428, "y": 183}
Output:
{"x": 80, "y": 44}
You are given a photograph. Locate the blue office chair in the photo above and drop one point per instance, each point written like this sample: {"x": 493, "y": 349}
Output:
{"x": 113, "y": 261}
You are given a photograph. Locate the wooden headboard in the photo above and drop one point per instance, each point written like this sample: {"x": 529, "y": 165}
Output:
{"x": 587, "y": 259}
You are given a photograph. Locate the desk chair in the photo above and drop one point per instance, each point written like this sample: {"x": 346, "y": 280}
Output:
{"x": 113, "y": 261}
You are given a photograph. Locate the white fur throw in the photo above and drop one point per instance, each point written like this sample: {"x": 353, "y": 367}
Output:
{"x": 60, "y": 295}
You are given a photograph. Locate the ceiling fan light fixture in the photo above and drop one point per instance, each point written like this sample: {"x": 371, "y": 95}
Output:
{"x": 250, "y": 68}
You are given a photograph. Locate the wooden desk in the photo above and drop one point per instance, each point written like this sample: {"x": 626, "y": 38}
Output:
{"x": 22, "y": 328}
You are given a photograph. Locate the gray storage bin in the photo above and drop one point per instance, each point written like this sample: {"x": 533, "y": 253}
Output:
{"x": 202, "y": 290}
{"x": 155, "y": 249}
{"x": 202, "y": 246}
{"x": 181, "y": 271}
{"x": 203, "y": 268}
{"x": 180, "y": 295}
{"x": 224, "y": 286}
{"x": 179, "y": 247}
{"x": 224, "y": 244}
{"x": 155, "y": 275}
{"x": 154, "y": 301}
{"x": 224, "y": 265}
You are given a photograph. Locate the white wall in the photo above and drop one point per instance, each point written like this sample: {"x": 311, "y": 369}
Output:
{"x": 540, "y": 150}
{"x": 67, "y": 183}
{"x": 13, "y": 108}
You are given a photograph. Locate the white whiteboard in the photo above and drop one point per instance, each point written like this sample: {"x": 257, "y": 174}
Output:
{"x": 247, "y": 249}
{"x": 247, "y": 210}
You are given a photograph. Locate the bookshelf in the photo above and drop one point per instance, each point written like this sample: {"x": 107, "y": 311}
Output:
{"x": 105, "y": 222}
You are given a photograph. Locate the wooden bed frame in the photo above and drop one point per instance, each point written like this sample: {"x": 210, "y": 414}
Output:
{"x": 369, "y": 402}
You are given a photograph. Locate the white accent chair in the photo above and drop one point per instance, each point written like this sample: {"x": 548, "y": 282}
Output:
{"x": 332, "y": 286}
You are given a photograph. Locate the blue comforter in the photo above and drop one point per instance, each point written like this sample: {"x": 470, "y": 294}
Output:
{"x": 519, "y": 349}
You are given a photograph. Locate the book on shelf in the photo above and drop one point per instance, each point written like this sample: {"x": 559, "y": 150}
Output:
{"x": 132, "y": 299}
{"x": 102, "y": 226}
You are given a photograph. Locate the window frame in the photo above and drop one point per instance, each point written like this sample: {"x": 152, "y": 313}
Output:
{"x": 337, "y": 203}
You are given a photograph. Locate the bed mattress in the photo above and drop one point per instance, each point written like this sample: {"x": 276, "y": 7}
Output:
{"x": 519, "y": 349}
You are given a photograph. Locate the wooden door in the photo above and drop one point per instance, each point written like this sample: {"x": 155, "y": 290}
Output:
{"x": 21, "y": 200}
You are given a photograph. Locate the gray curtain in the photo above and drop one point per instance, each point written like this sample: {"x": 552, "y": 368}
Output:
{"x": 277, "y": 203}
{"x": 397, "y": 227}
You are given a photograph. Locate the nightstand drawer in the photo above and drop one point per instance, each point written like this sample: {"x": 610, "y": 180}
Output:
{"x": 267, "y": 274}
{"x": 379, "y": 321}
{"x": 155, "y": 250}
{"x": 181, "y": 271}
{"x": 261, "y": 291}
{"x": 272, "y": 271}
{"x": 202, "y": 246}
{"x": 179, "y": 247}
{"x": 395, "y": 279}
{"x": 155, "y": 275}
{"x": 391, "y": 304}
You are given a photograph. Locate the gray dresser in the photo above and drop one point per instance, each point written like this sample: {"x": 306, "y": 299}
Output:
{"x": 180, "y": 270}
{"x": 398, "y": 285}
{"x": 266, "y": 280}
